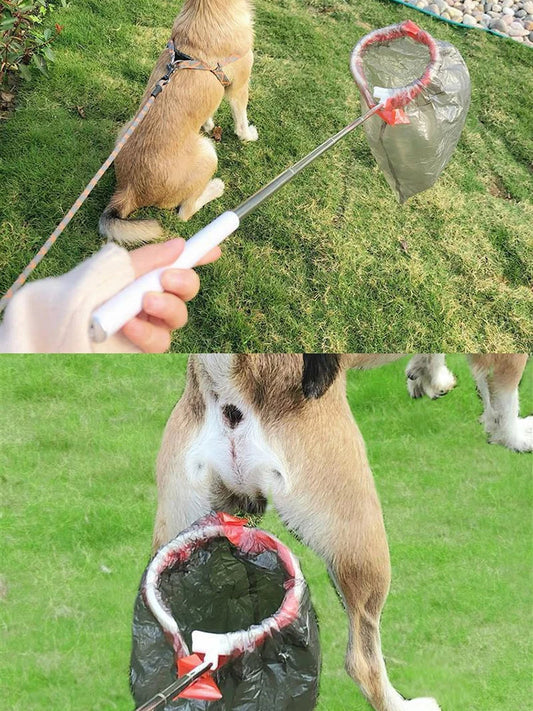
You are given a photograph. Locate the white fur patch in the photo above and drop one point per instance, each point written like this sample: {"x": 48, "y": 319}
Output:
{"x": 240, "y": 456}
{"x": 248, "y": 133}
{"x": 422, "y": 704}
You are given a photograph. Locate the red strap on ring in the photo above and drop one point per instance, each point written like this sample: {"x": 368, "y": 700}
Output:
{"x": 392, "y": 112}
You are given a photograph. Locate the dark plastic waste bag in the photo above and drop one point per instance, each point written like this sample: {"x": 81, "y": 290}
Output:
{"x": 220, "y": 576}
{"x": 413, "y": 146}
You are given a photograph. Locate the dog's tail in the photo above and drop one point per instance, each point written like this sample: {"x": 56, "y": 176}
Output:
{"x": 114, "y": 226}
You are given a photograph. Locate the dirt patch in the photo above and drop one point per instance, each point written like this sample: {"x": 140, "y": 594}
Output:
{"x": 497, "y": 189}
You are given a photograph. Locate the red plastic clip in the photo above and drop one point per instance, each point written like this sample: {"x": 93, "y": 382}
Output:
{"x": 233, "y": 527}
{"x": 393, "y": 116}
{"x": 230, "y": 520}
{"x": 204, "y": 688}
{"x": 410, "y": 28}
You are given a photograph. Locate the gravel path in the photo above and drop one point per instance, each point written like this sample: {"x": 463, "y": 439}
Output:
{"x": 508, "y": 17}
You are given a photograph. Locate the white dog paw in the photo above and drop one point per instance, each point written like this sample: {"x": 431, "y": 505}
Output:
{"x": 422, "y": 704}
{"x": 216, "y": 188}
{"x": 443, "y": 382}
{"x": 209, "y": 125}
{"x": 249, "y": 134}
{"x": 437, "y": 385}
{"x": 519, "y": 437}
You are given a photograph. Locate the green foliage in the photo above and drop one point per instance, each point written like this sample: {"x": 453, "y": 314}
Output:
{"x": 23, "y": 40}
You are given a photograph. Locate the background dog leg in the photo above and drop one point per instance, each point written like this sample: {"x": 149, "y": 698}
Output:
{"x": 497, "y": 377}
{"x": 238, "y": 101}
{"x": 427, "y": 374}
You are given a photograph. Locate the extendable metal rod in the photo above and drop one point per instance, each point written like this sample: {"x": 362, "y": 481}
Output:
{"x": 264, "y": 193}
{"x": 159, "y": 700}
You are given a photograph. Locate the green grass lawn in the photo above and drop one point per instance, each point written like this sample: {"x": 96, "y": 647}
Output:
{"x": 78, "y": 440}
{"x": 321, "y": 266}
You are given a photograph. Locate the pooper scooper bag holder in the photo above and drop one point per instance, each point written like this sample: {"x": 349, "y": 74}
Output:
{"x": 224, "y": 605}
{"x": 412, "y": 141}
{"x": 416, "y": 92}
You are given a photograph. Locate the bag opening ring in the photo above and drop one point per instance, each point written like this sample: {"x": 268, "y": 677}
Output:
{"x": 396, "y": 98}
{"x": 247, "y": 539}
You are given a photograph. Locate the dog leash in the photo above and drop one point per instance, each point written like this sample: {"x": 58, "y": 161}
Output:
{"x": 178, "y": 60}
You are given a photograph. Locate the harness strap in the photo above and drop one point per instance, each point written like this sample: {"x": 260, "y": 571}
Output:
{"x": 180, "y": 60}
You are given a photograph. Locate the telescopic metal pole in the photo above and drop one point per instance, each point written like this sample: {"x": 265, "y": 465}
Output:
{"x": 159, "y": 700}
{"x": 264, "y": 193}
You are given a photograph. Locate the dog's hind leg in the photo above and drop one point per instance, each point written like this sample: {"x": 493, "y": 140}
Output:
{"x": 202, "y": 189}
{"x": 355, "y": 549}
{"x": 497, "y": 377}
{"x": 183, "y": 495}
{"x": 427, "y": 374}
{"x": 213, "y": 190}
{"x": 358, "y": 560}
{"x": 330, "y": 501}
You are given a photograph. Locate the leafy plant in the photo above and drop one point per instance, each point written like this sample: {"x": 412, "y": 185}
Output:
{"x": 23, "y": 41}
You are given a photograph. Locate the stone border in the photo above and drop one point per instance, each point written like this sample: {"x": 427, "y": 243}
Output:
{"x": 504, "y": 18}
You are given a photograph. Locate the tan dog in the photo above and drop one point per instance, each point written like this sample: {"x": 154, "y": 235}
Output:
{"x": 167, "y": 162}
{"x": 252, "y": 426}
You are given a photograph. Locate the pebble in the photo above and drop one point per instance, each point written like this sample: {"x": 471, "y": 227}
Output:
{"x": 498, "y": 25}
{"x": 513, "y": 18}
{"x": 517, "y": 30}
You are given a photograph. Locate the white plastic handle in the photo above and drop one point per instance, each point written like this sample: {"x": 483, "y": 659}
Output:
{"x": 111, "y": 316}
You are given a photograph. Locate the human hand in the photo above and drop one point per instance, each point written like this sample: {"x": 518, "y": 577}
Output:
{"x": 163, "y": 312}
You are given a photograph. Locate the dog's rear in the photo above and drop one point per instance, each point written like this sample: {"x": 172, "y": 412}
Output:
{"x": 166, "y": 162}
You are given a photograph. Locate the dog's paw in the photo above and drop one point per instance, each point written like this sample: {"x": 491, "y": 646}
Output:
{"x": 422, "y": 704}
{"x": 249, "y": 134}
{"x": 519, "y": 437}
{"x": 215, "y": 188}
{"x": 437, "y": 385}
{"x": 209, "y": 125}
